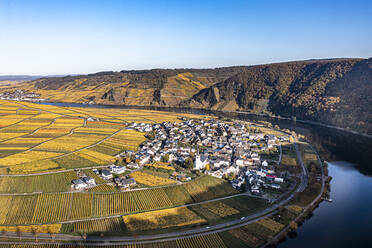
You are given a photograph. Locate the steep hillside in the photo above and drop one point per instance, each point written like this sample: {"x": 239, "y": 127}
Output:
{"x": 335, "y": 92}
{"x": 147, "y": 87}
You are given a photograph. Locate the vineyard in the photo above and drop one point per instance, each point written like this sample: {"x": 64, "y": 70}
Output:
{"x": 40, "y": 183}
{"x": 160, "y": 219}
{"x": 150, "y": 180}
{"x": 208, "y": 187}
{"x": 38, "y": 138}
{"x": 94, "y": 226}
{"x": 55, "y": 207}
{"x": 46, "y": 228}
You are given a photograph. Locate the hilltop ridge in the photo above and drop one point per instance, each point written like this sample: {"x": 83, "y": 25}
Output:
{"x": 331, "y": 91}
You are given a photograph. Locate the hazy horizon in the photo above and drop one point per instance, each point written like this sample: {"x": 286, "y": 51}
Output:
{"x": 212, "y": 67}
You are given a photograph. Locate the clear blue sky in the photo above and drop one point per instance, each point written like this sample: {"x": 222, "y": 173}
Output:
{"x": 72, "y": 36}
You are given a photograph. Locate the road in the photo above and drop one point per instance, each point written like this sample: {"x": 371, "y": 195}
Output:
{"x": 191, "y": 232}
{"x": 285, "y": 230}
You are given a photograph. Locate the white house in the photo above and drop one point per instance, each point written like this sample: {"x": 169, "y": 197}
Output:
{"x": 117, "y": 169}
{"x": 278, "y": 180}
{"x": 106, "y": 174}
{"x": 78, "y": 184}
{"x": 132, "y": 165}
{"x": 89, "y": 181}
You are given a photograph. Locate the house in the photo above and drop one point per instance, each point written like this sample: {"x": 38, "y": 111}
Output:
{"x": 78, "y": 184}
{"x": 117, "y": 169}
{"x": 278, "y": 180}
{"x": 157, "y": 157}
{"x": 127, "y": 183}
{"x": 239, "y": 162}
{"x": 89, "y": 181}
{"x": 106, "y": 174}
{"x": 133, "y": 165}
{"x": 144, "y": 160}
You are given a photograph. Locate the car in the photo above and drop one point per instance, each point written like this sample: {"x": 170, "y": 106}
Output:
{"x": 242, "y": 218}
{"x": 208, "y": 227}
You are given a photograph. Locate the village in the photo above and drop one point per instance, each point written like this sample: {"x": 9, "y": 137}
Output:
{"x": 228, "y": 150}
{"x": 20, "y": 95}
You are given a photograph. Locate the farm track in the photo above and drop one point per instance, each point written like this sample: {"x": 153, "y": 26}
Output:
{"x": 28, "y": 118}
{"x": 70, "y": 133}
{"x": 90, "y": 146}
{"x": 192, "y": 232}
{"x": 188, "y": 233}
{"x": 34, "y": 131}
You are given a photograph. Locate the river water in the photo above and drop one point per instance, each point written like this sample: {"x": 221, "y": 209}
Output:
{"x": 347, "y": 221}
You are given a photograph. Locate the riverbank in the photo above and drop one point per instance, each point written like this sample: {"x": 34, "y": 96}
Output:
{"x": 208, "y": 111}
{"x": 344, "y": 223}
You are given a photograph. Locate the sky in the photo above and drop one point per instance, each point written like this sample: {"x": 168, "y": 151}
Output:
{"x": 75, "y": 36}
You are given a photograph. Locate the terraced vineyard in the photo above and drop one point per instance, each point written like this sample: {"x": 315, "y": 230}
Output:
{"x": 37, "y": 138}
{"x": 44, "y": 147}
{"x": 56, "y": 207}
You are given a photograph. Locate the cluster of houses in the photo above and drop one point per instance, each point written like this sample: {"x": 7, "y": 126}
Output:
{"x": 217, "y": 148}
{"x": 84, "y": 182}
{"x": 20, "y": 95}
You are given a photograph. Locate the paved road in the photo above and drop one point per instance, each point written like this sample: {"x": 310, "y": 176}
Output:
{"x": 285, "y": 230}
{"x": 192, "y": 232}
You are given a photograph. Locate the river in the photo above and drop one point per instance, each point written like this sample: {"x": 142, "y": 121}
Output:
{"x": 347, "y": 221}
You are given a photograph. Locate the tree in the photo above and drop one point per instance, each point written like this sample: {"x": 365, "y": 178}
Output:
{"x": 293, "y": 225}
{"x": 128, "y": 159}
{"x": 165, "y": 158}
{"x": 189, "y": 163}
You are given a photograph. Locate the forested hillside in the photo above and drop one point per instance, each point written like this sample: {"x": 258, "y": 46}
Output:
{"x": 333, "y": 91}
{"x": 336, "y": 92}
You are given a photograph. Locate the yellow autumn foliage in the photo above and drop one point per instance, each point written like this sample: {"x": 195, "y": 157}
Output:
{"x": 45, "y": 228}
{"x": 162, "y": 219}
{"x": 27, "y": 156}
{"x": 150, "y": 180}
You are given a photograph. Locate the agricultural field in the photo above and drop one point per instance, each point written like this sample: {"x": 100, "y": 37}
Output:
{"x": 104, "y": 188}
{"x": 38, "y": 138}
{"x": 56, "y": 207}
{"x": 46, "y": 228}
{"x": 211, "y": 240}
{"x": 160, "y": 165}
{"x": 208, "y": 187}
{"x": 217, "y": 211}
{"x": 111, "y": 225}
{"x": 150, "y": 179}
{"x": 55, "y": 182}
{"x": 161, "y": 219}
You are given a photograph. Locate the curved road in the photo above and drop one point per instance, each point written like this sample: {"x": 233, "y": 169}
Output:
{"x": 185, "y": 233}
